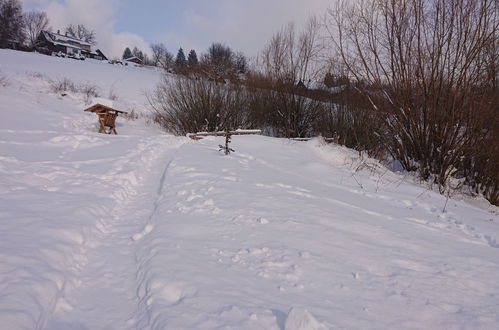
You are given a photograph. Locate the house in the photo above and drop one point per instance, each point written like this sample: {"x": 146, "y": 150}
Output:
{"x": 134, "y": 59}
{"x": 55, "y": 42}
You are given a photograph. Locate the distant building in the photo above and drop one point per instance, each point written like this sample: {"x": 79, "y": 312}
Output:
{"x": 134, "y": 59}
{"x": 13, "y": 44}
{"x": 56, "y": 42}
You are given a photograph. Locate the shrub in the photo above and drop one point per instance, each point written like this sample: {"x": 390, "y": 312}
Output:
{"x": 185, "y": 105}
{"x": 283, "y": 112}
{"x": 3, "y": 80}
{"x": 352, "y": 122}
{"x": 63, "y": 85}
{"x": 88, "y": 90}
{"x": 436, "y": 94}
{"x": 281, "y": 108}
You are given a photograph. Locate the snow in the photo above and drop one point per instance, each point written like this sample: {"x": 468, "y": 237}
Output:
{"x": 145, "y": 230}
{"x": 65, "y": 40}
{"x": 301, "y": 319}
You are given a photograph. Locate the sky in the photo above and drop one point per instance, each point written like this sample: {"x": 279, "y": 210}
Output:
{"x": 244, "y": 25}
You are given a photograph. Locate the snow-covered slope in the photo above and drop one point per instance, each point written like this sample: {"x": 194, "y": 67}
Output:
{"x": 149, "y": 231}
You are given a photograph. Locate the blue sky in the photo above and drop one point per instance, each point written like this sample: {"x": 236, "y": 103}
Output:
{"x": 242, "y": 24}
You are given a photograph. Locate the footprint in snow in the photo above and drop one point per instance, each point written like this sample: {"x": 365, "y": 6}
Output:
{"x": 147, "y": 229}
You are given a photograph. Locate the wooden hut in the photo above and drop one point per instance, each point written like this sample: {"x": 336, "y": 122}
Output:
{"x": 107, "y": 117}
{"x": 134, "y": 59}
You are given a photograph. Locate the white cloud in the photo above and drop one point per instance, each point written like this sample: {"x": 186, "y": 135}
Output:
{"x": 243, "y": 25}
{"x": 97, "y": 15}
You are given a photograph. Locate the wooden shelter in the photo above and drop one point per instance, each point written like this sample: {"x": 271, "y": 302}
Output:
{"x": 134, "y": 59}
{"x": 107, "y": 117}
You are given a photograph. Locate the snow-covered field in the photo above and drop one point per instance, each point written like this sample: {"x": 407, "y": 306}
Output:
{"x": 149, "y": 231}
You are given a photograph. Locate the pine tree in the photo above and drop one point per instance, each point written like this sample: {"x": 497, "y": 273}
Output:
{"x": 241, "y": 63}
{"x": 127, "y": 53}
{"x": 138, "y": 53}
{"x": 192, "y": 58}
{"x": 11, "y": 22}
{"x": 180, "y": 60}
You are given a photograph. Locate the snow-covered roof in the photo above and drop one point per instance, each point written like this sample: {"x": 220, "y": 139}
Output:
{"x": 62, "y": 40}
{"x": 133, "y": 58}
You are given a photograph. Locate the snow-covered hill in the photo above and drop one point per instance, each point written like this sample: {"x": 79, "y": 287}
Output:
{"x": 149, "y": 231}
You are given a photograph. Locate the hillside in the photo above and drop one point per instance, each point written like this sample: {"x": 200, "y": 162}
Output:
{"x": 145, "y": 230}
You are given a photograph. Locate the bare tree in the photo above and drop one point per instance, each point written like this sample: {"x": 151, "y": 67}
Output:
{"x": 221, "y": 62}
{"x": 167, "y": 61}
{"x": 423, "y": 64}
{"x": 82, "y": 33}
{"x": 161, "y": 57}
{"x": 219, "y": 54}
{"x": 280, "y": 99}
{"x": 289, "y": 57}
{"x": 157, "y": 53}
{"x": 34, "y": 23}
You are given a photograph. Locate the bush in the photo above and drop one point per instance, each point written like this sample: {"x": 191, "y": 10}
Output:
{"x": 3, "y": 80}
{"x": 435, "y": 94}
{"x": 187, "y": 105}
{"x": 89, "y": 91}
{"x": 283, "y": 113}
{"x": 64, "y": 85}
{"x": 280, "y": 108}
{"x": 353, "y": 123}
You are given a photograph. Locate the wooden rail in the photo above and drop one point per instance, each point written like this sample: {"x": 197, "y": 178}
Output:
{"x": 200, "y": 135}
{"x": 329, "y": 140}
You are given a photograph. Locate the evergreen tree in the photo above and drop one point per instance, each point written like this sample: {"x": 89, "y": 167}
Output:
{"x": 180, "y": 60}
{"x": 192, "y": 58}
{"x": 11, "y": 22}
{"x": 138, "y": 54}
{"x": 241, "y": 63}
{"x": 127, "y": 53}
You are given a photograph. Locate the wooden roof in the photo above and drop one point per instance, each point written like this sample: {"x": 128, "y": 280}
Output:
{"x": 134, "y": 59}
{"x": 102, "y": 108}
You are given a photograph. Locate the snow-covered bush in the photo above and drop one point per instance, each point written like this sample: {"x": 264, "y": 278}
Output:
{"x": 3, "y": 80}
{"x": 89, "y": 91}
{"x": 132, "y": 115}
{"x": 63, "y": 85}
{"x": 112, "y": 94}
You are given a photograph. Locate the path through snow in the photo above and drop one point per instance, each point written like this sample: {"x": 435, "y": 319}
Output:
{"x": 106, "y": 289}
